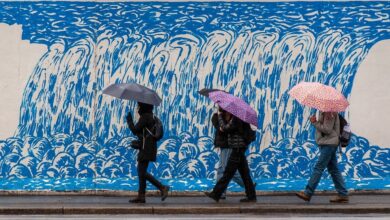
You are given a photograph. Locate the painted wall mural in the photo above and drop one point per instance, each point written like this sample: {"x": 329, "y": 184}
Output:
{"x": 71, "y": 137}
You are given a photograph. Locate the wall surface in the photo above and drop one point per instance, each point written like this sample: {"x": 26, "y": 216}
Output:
{"x": 59, "y": 132}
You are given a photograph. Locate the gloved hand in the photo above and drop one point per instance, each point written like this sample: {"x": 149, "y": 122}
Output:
{"x": 129, "y": 117}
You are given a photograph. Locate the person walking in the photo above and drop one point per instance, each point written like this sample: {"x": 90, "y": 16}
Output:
{"x": 147, "y": 146}
{"x": 327, "y": 138}
{"x": 221, "y": 142}
{"x": 235, "y": 129}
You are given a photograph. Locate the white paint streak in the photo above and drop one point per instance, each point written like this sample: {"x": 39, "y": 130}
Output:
{"x": 18, "y": 59}
{"x": 370, "y": 98}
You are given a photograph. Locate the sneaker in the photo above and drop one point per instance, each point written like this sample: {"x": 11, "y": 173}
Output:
{"x": 247, "y": 200}
{"x": 339, "y": 199}
{"x": 164, "y": 192}
{"x": 303, "y": 196}
{"x": 211, "y": 195}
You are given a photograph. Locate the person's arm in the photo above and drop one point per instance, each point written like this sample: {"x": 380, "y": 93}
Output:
{"x": 229, "y": 126}
{"x": 327, "y": 126}
{"x": 137, "y": 128}
{"x": 214, "y": 121}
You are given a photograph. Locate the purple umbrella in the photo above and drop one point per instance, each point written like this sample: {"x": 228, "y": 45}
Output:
{"x": 235, "y": 106}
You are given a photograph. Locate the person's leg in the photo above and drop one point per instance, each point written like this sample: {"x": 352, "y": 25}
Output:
{"x": 228, "y": 174}
{"x": 323, "y": 160}
{"x": 149, "y": 177}
{"x": 335, "y": 173}
{"x": 223, "y": 159}
{"x": 141, "y": 169}
{"x": 163, "y": 189}
{"x": 244, "y": 171}
{"x": 237, "y": 177}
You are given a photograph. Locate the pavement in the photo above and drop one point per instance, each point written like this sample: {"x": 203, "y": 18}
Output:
{"x": 74, "y": 204}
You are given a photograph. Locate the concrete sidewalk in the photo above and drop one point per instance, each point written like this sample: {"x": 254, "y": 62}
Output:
{"x": 269, "y": 204}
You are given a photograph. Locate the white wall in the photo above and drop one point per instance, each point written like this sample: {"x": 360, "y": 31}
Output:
{"x": 18, "y": 58}
{"x": 370, "y": 98}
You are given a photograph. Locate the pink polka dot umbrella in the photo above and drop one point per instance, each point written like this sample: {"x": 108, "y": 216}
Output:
{"x": 235, "y": 106}
{"x": 319, "y": 96}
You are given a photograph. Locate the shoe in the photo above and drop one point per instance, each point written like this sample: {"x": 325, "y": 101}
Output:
{"x": 247, "y": 200}
{"x": 164, "y": 192}
{"x": 137, "y": 200}
{"x": 212, "y": 196}
{"x": 303, "y": 196}
{"x": 340, "y": 199}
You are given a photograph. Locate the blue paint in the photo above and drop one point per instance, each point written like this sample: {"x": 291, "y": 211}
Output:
{"x": 76, "y": 184}
{"x": 70, "y": 137}
{"x": 63, "y": 163}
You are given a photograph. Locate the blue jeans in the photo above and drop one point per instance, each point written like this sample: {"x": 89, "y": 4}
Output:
{"x": 223, "y": 160}
{"x": 327, "y": 159}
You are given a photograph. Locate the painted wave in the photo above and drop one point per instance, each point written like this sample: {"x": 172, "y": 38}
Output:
{"x": 258, "y": 51}
{"x": 63, "y": 156}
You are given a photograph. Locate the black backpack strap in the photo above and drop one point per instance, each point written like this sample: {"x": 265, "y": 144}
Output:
{"x": 151, "y": 133}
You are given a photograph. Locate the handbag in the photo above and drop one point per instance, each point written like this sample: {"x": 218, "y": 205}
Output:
{"x": 135, "y": 144}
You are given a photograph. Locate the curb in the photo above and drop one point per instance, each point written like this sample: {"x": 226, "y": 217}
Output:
{"x": 161, "y": 210}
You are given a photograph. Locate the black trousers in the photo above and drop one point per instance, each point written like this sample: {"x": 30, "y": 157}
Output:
{"x": 143, "y": 175}
{"x": 237, "y": 161}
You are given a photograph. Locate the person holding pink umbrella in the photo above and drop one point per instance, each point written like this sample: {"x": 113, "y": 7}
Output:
{"x": 328, "y": 101}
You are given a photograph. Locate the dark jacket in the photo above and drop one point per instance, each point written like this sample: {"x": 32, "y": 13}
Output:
{"x": 220, "y": 139}
{"x": 148, "y": 149}
{"x": 235, "y": 130}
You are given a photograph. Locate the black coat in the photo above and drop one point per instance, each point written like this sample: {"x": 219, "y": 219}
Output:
{"x": 220, "y": 139}
{"x": 148, "y": 149}
{"x": 235, "y": 131}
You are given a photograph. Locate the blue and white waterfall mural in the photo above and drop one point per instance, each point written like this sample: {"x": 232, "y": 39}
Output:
{"x": 71, "y": 137}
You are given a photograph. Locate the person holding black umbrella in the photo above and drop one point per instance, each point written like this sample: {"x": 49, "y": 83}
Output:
{"x": 148, "y": 129}
{"x": 147, "y": 146}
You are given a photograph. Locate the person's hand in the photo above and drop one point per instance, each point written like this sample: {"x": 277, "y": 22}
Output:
{"x": 220, "y": 129}
{"x": 313, "y": 119}
{"x": 129, "y": 116}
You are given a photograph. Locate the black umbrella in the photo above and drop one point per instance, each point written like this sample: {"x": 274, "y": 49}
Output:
{"x": 206, "y": 92}
{"x": 133, "y": 91}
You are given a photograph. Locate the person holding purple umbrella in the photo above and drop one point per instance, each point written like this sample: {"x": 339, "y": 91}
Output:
{"x": 239, "y": 136}
{"x": 220, "y": 142}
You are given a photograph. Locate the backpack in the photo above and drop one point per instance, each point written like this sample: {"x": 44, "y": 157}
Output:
{"x": 158, "y": 129}
{"x": 249, "y": 134}
{"x": 345, "y": 132}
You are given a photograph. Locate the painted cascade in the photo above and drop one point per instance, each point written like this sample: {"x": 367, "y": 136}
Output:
{"x": 68, "y": 129}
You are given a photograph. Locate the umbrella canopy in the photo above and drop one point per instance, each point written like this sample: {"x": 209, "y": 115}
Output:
{"x": 133, "y": 91}
{"x": 319, "y": 96}
{"x": 235, "y": 106}
{"x": 206, "y": 92}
